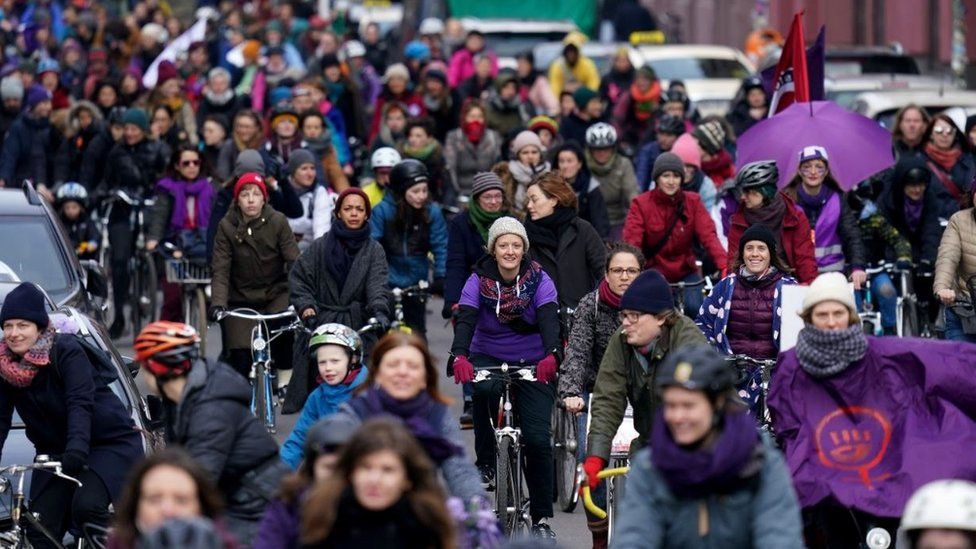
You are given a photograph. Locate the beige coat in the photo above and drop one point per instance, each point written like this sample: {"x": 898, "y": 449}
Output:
{"x": 957, "y": 253}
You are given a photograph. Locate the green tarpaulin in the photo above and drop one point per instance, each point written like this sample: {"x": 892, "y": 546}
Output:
{"x": 582, "y": 12}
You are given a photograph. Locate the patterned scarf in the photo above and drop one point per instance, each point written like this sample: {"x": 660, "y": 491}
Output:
{"x": 826, "y": 353}
{"x": 645, "y": 104}
{"x": 19, "y": 372}
{"x": 511, "y": 301}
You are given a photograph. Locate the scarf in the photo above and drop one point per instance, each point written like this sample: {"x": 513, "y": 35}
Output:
{"x": 599, "y": 170}
{"x": 913, "y": 213}
{"x": 510, "y": 301}
{"x": 719, "y": 168}
{"x": 482, "y": 219}
{"x": 20, "y": 372}
{"x": 334, "y": 91}
{"x": 342, "y": 249}
{"x": 607, "y": 297}
{"x": 694, "y": 472}
{"x": 415, "y": 413}
{"x": 218, "y": 99}
{"x": 525, "y": 174}
{"x": 473, "y": 131}
{"x": 826, "y": 353}
{"x": 435, "y": 103}
{"x": 945, "y": 159}
{"x": 421, "y": 153}
{"x": 753, "y": 279}
{"x": 283, "y": 148}
{"x": 320, "y": 145}
{"x": 770, "y": 216}
{"x": 544, "y": 232}
{"x": 645, "y": 104}
{"x": 202, "y": 192}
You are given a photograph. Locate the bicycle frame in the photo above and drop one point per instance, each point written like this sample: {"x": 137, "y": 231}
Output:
{"x": 418, "y": 289}
{"x": 19, "y": 508}
{"x": 762, "y": 414}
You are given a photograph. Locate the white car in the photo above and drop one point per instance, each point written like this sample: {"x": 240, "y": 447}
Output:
{"x": 843, "y": 90}
{"x": 883, "y": 105}
{"x": 510, "y": 37}
{"x": 712, "y": 74}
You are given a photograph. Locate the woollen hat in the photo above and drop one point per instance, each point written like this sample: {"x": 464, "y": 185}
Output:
{"x": 248, "y": 161}
{"x": 299, "y": 157}
{"x": 25, "y": 302}
{"x": 668, "y": 162}
{"x": 687, "y": 150}
{"x": 829, "y": 287}
{"x": 396, "y": 70}
{"x": 525, "y": 139}
{"x": 758, "y": 232}
{"x": 36, "y": 95}
{"x": 582, "y": 96}
{"x": 484, "y": 181}
{"x": 136, "y": 117}
{"x": 166, "y": 71}
{"x": 711, "y": 136}
{"x": 506, "y": 225}
{"x": 12, "y": 87}
{"x": 648, "y": 293}
{"x": 250, "y": 178}
{"x": 353, "y": 191}
{"x": 543, "y": 122}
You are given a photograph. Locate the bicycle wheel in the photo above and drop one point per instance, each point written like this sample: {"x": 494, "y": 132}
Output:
{"x": 909, "y": 319}
{"x": 108, "y": 305}
{"x": 260, "y": 404}
{"x": 197, "y": 315}
{"x": 615, "y": 495}
{"x": 143, "y": 299}
{"x": 505, "y": 505}
{"x": 564, "y": 442}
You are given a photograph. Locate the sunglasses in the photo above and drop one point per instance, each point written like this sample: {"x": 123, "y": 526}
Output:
{"x": 943, "y": 130}
{"x": 188, "y": 163}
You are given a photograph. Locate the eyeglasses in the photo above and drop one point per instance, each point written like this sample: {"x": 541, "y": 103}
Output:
{"x": 943, "y": 130}
{"x": 188, "y": 163}
{"x": 493, "y": 197}
{"x": 619, "y": 271}
{"x": 813, "y": 168}
{"x": 629, "y": 317}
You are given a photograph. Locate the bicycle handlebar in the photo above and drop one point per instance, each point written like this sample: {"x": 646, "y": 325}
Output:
{"x": 683, "y": 285}
{"x": 420, "y": 288}
{"x": 585, "y": 490}
{"x": 524, "y": 372}
{"x": 371, "y": 324}
{"x": 251, "y": 314}
{"x": 53, "y": 467}
{"x": 750, "y": 360}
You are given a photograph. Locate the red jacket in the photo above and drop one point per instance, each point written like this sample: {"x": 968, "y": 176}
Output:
{"x": 413, "y": 102}
{"x": 648, "y": 219}
{"x": 797, "y": 240}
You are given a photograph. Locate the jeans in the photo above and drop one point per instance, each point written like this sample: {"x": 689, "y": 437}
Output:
{"x": 61, "y": 504}
{"x": 533, "y": 402}
{"x": 953, "y": 327}
{"x": 693, "y": 296}
{"x": 885, "y": 295}
{"x": 121, "y": 241}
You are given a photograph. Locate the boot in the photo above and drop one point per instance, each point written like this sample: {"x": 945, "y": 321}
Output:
{"x": 600, "y": 540}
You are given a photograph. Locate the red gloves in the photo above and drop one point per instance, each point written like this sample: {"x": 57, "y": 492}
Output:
{"x": 463, "y": 370}
{"x": 546, "y": 370}
{"x": 592, "y": 466}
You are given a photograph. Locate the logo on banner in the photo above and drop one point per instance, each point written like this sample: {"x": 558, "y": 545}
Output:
{"x": 854, "y": 438}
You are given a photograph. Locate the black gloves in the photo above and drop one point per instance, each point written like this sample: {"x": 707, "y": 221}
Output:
{"x": 214, "y": 311}
{"x": 73, "y": 463}
{"x": 437, "y": 287}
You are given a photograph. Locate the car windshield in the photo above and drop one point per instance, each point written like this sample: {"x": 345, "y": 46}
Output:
{"x": 871, "y": 64}
{"x": 33, "y": 255}
{"x": 697, "y": 68}
{"x": 506, "y": 44}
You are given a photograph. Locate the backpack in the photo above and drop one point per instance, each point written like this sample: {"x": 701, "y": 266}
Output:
{"x": 103, "y": 369}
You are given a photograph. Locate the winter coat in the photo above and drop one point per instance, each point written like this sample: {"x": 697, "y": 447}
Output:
{"x": 95, "y": 159}
{"x": 280, "y": 526}
{"x": 463, "y": 158}
{"x": 618, "y": 184}
{"x": 64, "y": 409}
{"x": 956, "y": 261}
{"x": 323, "y": 401}
{"x": 461, "y": 66}
{"x": 925, "y": 239}
{"x": 282, "y": 199}
{"x": 364, "y": 295}
{"x": 591, "y": 205}
{"x": 250, "y": 264}
{"x": 459, "y": 473}
{"x": 797, "y": 244}
{"x": 961, "y": 175}
{"x": 214, "y": 424}
{"x": 594, "y": 323}
{"x": 397, "y": 527}
{"x": 739, "y": 118}
{"x": 71, "y": 155}
{"x": 625, "y": 376}
{"x": 763, "y": 515}
{"x": 647, "y": 221}
{"x": 504, "y": 117}
{"x": 881, "y": 240}
{"x": 136, "y": 167}
{"x": 158, "y": 220}
{"x": 209, "y": 106}
{"x": 574, "y": 128}
{"x": 414, "y": 103}
{"x": 445, "y": 115}
{"x": 577, "y": 265}
{"x": 328, "y": 171}
{"x": 29, "y": 151}
{"x": 644, "y": 164}
{"x": 705, "y": 188}
{"x": 317, "y": 203}
{"x": 855, "y": 256}
{"x": 540, "y": 96}
{"x": 584, "y": 73}
{"x": 83, "y": 231}
{"x": 407, "y": 253}
{"x": 464, "y": 248}
{"x": 713, "y": 317}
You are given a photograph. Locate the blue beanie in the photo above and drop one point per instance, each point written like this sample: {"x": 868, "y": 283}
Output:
{"x": 136, "y": 117}
{"x": 25, "y": 302}
{"x": 417, "y": 50}
{"x": 648, "y": 293}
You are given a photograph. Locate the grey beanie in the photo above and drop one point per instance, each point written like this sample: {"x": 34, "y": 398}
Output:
{"x": 506, "y": 225}
{"x": 668, "y": 162}
{"x": 11, "y": 87}
{"x": 483, "y": 181}
{"x": 249, "y": 160}
{"x": 299, "y": 157}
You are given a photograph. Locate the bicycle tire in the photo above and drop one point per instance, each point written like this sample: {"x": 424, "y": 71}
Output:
{"x": 143, "y": 299}
{"x": 615, "y": 495}
{"x": 135, "y": 293}
{"x": 105, "y": 260}
{"x": 564, "y": 434}
{"x": 198, "y": 317}
{"x": 505, "y": 505}
{"x": 909, "y": 319}
{"x": 260, "y": 393}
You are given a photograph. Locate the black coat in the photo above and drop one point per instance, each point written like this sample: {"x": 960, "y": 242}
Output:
{"x": 63, "y": 409}
{"x": 393, "y": 528}
{"x": 96, "y": 158}
{"x": 577, "y": 266}
{"x": 28, "y": 152}
{"x": 136, "y": 167}
{"x": 925, "y": 240}
{"x": 574, "y": 128}
{"x": 464, "y": 248}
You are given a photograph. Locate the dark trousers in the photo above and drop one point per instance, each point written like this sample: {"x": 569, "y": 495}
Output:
{"x": 415, "y": 314}
{"x": 241, "y": 359}
{"x": 61, "y": 504}
{"x": 829, "y": 525}
{"x": 533, "y": 403}
{"x": 120, "y": 238}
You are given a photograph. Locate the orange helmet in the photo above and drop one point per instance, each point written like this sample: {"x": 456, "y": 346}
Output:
{"x": 167, "y": 348}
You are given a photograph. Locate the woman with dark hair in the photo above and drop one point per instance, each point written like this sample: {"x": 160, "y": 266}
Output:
{"x": 571, "y": 163}
{"x": 162, "y": 124}
{"x": 384, "y": 493}
{"x": 317, "y": 139}
{"x": 950, "y": 157}
{"x": 469, "y": 149}
{"x": 343, "y": 94}
{"x": 533, "y": 86}
{"x": 247, "y": 133}
{"x": 166, "y": 485}
{"x": 213, "y": 134}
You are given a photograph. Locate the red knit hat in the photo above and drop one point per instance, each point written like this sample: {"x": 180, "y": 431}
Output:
{"x": 353, "y": 191}
{"x": 250, "y": 178}
{"x": 166, "y": 71}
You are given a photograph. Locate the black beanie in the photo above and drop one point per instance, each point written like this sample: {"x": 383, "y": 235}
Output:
{"x": 25, "y": 302}
{"x": 761, "y": 233}
{"x": 648, "y": 293}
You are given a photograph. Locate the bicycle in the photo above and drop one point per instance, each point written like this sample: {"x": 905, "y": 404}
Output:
{"x": 619, "y": 461}
{"x": 565, "y": 444}
{"x": 743, "y": 364}
{"x": 906, "y": 308}
{"x": 616, "y": 474}
{"x": 193, "y": 276}
{"x": 678, "y": 291}
{"x": 511, "y": 503}
{"x": 417, "y": 290}
{"x": 264, "y": 398}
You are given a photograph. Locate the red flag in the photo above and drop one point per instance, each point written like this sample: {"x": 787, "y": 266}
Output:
{"x": 790, "y": 81}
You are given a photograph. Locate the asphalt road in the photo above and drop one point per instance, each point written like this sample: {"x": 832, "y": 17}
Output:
{"x": 570, "y": 528}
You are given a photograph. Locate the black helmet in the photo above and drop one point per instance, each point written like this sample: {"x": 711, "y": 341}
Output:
{"x": 283, "y": 108}
{"x": 116, "y": 115}
{"x": 752, "y": 82}
{"x": 406, "y": 174}
{"x": 757, "y": 174}
{"x": 669, "y": 123}
{"x": 697, "y": 368}
{"x": 677, "y": 96}
{"x": 183, "y": 533}
{"x": 916, "y": 174}
{"x": 328, "y": 433}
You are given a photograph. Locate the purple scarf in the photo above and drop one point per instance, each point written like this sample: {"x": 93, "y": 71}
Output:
{"x": 826, "y": 238}
{"x": 697, "y": 472}
{"x": 416, "y": 413}
{"x": 913, "y": 213}
{"x": 204, "y": 194}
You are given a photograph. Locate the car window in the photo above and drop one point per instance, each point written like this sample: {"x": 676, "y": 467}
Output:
{"x": 34, "y": 255}
{"x": 871, "y": 64}
{"x": 510, "y": 44}
{"x": 696, "y": 68}
{"x": 844, "y": 98}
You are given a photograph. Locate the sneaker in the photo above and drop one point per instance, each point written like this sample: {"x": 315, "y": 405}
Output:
{"x": 487, "y": 477}
{"x": 541, "y": 530}
{"x": 467, "y": 420}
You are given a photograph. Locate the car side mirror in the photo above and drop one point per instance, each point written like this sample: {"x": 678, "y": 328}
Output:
{"x": 154, "y": 409}
{"x": 96, "y": 283}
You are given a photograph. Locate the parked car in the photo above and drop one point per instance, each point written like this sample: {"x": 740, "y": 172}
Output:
{"x": 844, "y": 89}
{"x": 869, "y": 60}
{"x": 712, "y": 74}
{"x": 510, "y": 37}
{"x": 883, "y": 105}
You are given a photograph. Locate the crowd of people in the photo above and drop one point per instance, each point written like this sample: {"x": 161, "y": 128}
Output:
{"x": 568, "y": 219}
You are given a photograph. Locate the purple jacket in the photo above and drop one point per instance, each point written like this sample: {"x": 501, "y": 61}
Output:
{"x": 868, "y": 437}
{"x": 279, "y": 527}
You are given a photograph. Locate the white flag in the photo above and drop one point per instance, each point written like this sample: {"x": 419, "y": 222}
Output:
{"x": 196, "y": 33}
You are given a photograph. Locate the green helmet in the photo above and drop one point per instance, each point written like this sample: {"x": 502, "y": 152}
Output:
{"x": 341, "y": 335}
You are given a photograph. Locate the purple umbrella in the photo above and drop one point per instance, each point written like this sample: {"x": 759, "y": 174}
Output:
{"x": 858, "y": 147}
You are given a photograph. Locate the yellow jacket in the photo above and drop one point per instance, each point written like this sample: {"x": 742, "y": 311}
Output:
{"x": 584, "y": 73}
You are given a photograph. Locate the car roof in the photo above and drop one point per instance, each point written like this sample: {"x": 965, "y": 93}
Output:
{"x": 14, "y": 201}
{"x": 871, "y": 103}
{"x": 673, "y": 51}
{"x": 515, "y": 26}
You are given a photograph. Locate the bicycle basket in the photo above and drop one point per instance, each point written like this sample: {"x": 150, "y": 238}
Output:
{"x": 185, "y": 271}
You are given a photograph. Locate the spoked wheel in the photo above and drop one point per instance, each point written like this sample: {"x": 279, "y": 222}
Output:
{"x": 261, "y": 405}
{"x": 564, "y": 452}
{"x": 505, "y": 505}
{"x": 144, "y": 298}
{"x": 108, "y": 307}
{"x": 615, "y": 495}
{"x": 197, "y": 317}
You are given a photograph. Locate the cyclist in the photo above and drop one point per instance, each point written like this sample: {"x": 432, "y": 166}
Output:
{"x": 954, "y": 268}
{"x": 411, "y": 228}
{"x": 207, "y": 412}
{"x": 317, "y": 200}
{"x": 613, "y": 172}
{"x": 337, "y": 354}
{"x": 571, "y": 163}
{"x": 527, "y": 163}
{"x": 596, "y": 319}
{"x": 47, "y": 379}
{"x": 253, "y": 251}
{"x": 708, "y": 478}
{"x": 71, "y": 200}
{"x": 382, "y": 162}
{"x": 470, "y": 148}
{"x": 651, "y": 328}
{"x": 940, "y": 515}
{"x": 508, "y": 312}
{"x": 668, "y": 129}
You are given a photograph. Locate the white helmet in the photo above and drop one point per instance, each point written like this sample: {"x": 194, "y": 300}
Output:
{"x": 601, "y": 136}
{"x": 431, "y": 25}
{"x": 944, "y": 504}
{"x": 384, "y": 157}
{"x": 354, "y": 48}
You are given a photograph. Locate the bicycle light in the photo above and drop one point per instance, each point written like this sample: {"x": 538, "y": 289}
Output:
{"x": 259, "y": 344}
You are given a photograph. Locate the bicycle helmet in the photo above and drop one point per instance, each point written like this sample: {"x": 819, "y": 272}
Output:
{"x": 944, "y": 504}
{"x": 354, "y": 48}
{"x": 406, "y": 174}
{"x": 167, "y": 349}
{"x": 601, "y": 136}
{"x": 116, "y": 116}
{"x": 760, "y": 173}
{"x": 71, "y": 191}
{"x": 384, "y": 157}
{"x": 48, "y": 65}
{"x": 669, "y": 123}
{"x": 282, "y": 109}
{"x": 677, "y": 96}
{"x": 916, "y": 174}
{"x": 341, "y": 335}
{"x": 697, "y": 368}
{"x": 183, "y": 533}
{"x": 329, "y": 433}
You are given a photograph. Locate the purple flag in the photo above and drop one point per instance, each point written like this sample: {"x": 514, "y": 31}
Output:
{"x": 815, "y": 72}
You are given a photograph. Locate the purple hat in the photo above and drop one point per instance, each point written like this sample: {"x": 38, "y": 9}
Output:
{"x": 36, "y": 95}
